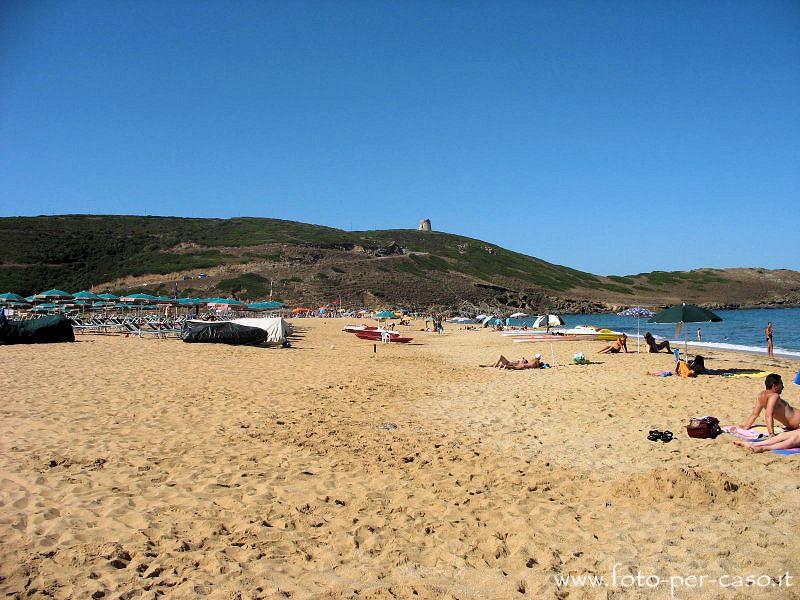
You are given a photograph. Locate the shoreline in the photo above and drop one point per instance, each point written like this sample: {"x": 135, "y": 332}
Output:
{"x": 793, "y": 355}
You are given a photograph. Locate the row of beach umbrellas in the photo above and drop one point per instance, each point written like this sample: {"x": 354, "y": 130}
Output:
{"x": 48, "y": 299}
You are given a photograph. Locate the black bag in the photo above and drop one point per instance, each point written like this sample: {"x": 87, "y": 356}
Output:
{"x": 703, "y": 427}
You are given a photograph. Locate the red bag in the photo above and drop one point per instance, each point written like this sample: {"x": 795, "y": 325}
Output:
{"x": 703, "y": 427}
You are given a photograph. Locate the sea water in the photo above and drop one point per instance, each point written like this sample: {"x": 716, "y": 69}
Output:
{"x": 743, "y": 329}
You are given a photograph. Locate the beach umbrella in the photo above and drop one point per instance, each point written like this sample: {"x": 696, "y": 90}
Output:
{"x": 266, "y": 305}
{"x": 138, "y": 299}
{"x": 84, "y": 299}
{"x": 108, "y": 296}
{"x": 548, "y": 321}
{"x": 12, "y": 299}
{"x": 680, "y": 314}
{"x": 84, "y": 295}
{"x": 639, "y": 313}
{"x": 518, "y": 314}
{"x": 229, "y": 301}
{"x": 385, "y": 314}
{"x": 189, "y": 301}
{"x": 53, "y": 295}
{"x": 46, "y": 307}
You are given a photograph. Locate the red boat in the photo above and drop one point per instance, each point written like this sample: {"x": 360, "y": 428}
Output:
{"x": 375, "y": 336}
{"x": 355, "y": 328}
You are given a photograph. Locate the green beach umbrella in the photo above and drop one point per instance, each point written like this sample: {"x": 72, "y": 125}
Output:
{"x": 229, "y": 301}
{"x": 84, "y": 295}
{"x": 266, "y": 305}
{"x": 138, "y": 299}
{"x": 53, "y": 295}
{"x": 108, "y": 296}
{"x": 189, "y": 301}
{"x": 10, "y": 297}
{"x": 681, "y": 314}
{"x": 46, "y": 307}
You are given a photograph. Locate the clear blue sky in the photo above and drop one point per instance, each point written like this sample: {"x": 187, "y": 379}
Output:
{"x": 614, "y": 137}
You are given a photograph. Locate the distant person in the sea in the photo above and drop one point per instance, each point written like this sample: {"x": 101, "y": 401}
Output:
{"x": 616, "y": 347}
{"x": 654, "y": 345}
{"x": 774, "y": 407}
{"x": 768, "y": 332}
{"x": 519, "y": 365}
{"x": 699, "y": 335}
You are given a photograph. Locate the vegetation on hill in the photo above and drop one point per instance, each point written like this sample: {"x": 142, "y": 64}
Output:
{"x": 311, "y": 263}
{"x": 77, "y": 251}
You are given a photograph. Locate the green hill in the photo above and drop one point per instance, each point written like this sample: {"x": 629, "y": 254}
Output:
{"x": 310, "y": 263}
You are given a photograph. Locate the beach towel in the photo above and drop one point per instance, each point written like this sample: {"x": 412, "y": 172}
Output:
{"x": 748, "y": 435}
{"x": 757, "y": 375}
{"x": 753, "y": 434}
{"x": 757, "y": 433}
{"x": 660, "y": 373}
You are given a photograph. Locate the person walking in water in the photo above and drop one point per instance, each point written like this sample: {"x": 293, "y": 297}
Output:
{"x": 699, "y": 335}
{"x": 768, "y": 332}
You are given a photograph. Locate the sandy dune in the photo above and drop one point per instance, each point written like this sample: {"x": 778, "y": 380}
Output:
{"x": 143, "y": 468}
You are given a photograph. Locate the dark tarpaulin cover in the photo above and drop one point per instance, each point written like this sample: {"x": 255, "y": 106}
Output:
{"x": 223, "y": 332}
{"x": 56, "y": 328}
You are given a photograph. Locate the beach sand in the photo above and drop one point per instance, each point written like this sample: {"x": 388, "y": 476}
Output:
{"x": 141, "y": 468}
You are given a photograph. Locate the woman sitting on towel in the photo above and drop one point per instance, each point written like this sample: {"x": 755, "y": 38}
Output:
{"x": 521, "y": 364}
{"x": 656, "y": 346}
{"x": 620, "y": 344}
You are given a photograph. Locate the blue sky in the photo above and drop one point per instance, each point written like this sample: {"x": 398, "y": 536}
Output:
{"x": 614, "y": 137}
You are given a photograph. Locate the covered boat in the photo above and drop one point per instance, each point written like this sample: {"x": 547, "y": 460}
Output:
{"x": 237, "y": 331}
{"x": 43, "y": 330}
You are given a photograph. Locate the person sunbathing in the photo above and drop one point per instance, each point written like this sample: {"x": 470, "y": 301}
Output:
{"x": 783, "y": 441}
{"x": 521, "y": 364}
{"x": 654, "y": 345}
{"x": 775, "y": 407}
{"x": 620, "y": 344}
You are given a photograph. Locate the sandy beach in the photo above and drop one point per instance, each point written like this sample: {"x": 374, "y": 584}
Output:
{"x": 141, "y": 468}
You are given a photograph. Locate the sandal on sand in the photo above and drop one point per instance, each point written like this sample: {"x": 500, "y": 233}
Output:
{"x": 660, "y": 436}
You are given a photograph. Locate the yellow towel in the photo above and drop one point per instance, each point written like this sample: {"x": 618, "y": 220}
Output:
{"x": 759, "y": 375}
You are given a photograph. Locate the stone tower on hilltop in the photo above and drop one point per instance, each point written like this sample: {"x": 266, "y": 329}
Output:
{"x": 425, "y": 225}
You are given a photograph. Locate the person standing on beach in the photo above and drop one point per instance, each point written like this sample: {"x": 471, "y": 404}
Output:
{"x": 768, "y": 333}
